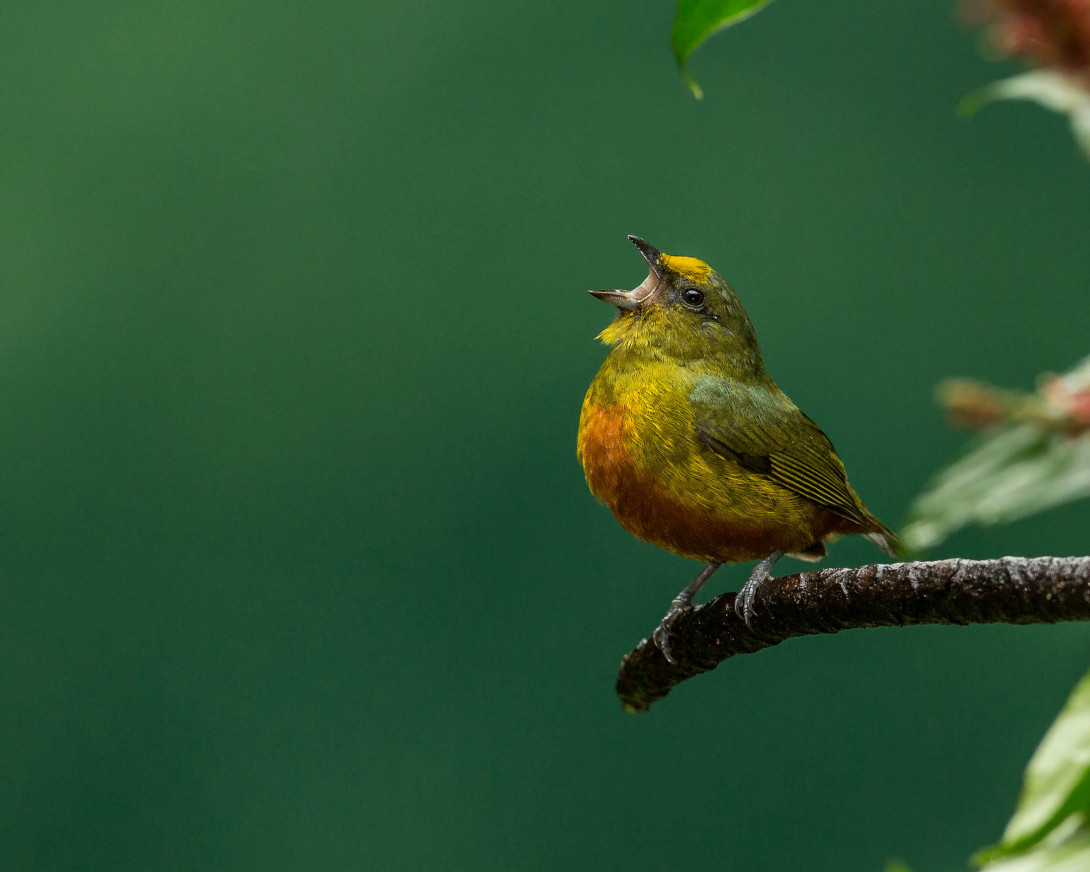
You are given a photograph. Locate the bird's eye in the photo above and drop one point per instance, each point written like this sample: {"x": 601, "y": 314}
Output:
{"x": 692, "y": 298}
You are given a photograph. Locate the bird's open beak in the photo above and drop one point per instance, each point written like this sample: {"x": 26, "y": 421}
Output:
{"x": 632, "y": 300}
{"x": 651, "y": 254}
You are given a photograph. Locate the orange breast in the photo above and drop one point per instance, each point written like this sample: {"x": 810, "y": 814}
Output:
{"x": 649, "y": 512}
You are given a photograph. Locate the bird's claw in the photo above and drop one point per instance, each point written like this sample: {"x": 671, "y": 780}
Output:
{"x": 662, "y": 631}
{"x": 743, "y": 603}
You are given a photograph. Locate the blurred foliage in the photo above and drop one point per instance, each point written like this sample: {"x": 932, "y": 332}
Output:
{"x": 1047, "y": 88}
{"x": 1049, "y": 829}
{"x": 1036, "y": 457}
{"x": 1053, "y": 35}
{"x": 696, "y": 20}
{"x": 1066, "y": 850}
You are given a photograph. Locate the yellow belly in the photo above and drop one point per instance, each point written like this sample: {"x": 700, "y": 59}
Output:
{"x": 666, "y": 488}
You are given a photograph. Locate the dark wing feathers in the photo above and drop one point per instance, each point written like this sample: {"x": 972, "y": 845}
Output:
{"x": 797, "y": 475}
{"x": 788, "y": 447}
{"x": 760, "y": 463}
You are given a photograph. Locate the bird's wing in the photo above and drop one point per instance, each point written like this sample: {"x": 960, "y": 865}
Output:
{"x": 782, "y": 443}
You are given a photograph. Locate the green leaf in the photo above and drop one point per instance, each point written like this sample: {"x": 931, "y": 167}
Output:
{"x": 1055, "y": 799}
{"x": 1063, "y": 852}
{"x": 1048, "y": 88}
{"x": 696, "y": 20}
{"x": 1017, "y": 470}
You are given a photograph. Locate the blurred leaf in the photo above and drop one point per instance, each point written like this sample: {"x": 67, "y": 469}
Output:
{"x": 696, "y": 20}
{"x": 1015, "y": 471}
{"x": 1051, "y": 812}
{"x": 1062, "y": 852}
{"x": 1048, "y": 88}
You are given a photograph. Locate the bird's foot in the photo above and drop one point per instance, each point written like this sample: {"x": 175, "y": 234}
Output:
{"x": 743, "y": 603}
{"x": 662, "y": 631}
{"x": 682, "y": 603}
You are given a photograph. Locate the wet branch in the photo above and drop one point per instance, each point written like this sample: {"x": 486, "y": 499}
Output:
{"x": 1010, "y": 590}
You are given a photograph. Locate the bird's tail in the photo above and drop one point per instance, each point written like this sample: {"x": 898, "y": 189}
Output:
{"x": 887, "y": 540}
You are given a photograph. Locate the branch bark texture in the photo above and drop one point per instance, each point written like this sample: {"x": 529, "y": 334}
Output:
{"x": 1010, "y": 590}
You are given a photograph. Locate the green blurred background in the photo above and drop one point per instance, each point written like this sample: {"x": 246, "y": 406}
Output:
{"x": 299, "y": 568}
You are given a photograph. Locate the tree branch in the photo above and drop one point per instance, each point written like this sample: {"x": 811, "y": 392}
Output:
{"x": 1010, "y": 590}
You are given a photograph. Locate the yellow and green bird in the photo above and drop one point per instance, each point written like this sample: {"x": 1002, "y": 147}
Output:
{"x": 692, "y": 445}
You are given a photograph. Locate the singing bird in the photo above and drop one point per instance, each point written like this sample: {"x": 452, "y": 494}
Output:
{"x": 695, "y": 449}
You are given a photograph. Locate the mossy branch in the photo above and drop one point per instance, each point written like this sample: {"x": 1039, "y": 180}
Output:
{"x": 1010, "y": 590}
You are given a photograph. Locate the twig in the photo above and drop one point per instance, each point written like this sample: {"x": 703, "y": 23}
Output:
{"x": 1010, "y": 590}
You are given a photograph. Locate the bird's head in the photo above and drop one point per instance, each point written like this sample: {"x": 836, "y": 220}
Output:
{"x": 683, "y": 310}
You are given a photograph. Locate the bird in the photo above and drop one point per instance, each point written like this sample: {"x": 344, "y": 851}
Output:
{"x": 694, "y": 448}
